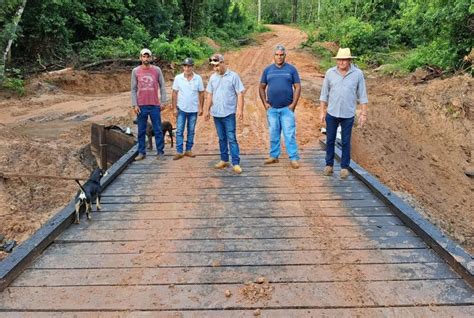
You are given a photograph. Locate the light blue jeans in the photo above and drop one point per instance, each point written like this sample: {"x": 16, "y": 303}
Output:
{"x": 191, "y": 119}
{"x": 282, "y": 120}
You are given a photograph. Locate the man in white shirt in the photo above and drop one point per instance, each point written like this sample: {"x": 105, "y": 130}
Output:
{"x": 187, "y": 100}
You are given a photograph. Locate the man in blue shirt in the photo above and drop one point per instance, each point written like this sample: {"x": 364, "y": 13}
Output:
{"x": 343, "y": 87}
{"x": 280, "y": 89}
{"x": 187, "y": 101}
{"x": 226, "y": 96}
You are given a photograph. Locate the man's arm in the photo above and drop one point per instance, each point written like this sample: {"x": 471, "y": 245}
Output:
{"x": 363, "y": 100}
{"x": 174, "y": 102}
{"x": 296, "y": 95}
{"x": 134, "y": 92}
{"x": 201, "y": 103}
{"x": 207, "y": 106}
{"x": 263, "y": 95}
{"x": 323, "y": 99}
{"x": 161, "y": 81}
{"x": 240, "y": 106}
{"x": 323, "y": 111}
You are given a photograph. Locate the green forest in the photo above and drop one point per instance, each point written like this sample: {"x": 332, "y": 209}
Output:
{"x": 42, "y": 35}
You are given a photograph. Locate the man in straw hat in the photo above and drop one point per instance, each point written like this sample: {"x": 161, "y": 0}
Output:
{"x": 343, "y": 87}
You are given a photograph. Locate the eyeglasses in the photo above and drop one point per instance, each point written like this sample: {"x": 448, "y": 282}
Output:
{"x": 215, "y": 59}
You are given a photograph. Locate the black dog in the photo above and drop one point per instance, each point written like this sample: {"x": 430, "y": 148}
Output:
{"x": 166, "y": 126}
{"x": 90, "y": 190}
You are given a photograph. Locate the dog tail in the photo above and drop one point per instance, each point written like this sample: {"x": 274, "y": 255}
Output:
{"x": 77, "y": 181}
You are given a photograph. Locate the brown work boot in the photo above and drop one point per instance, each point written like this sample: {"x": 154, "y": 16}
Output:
{"x": 270, "y": 161}
{"x": 140, "y": 157}
{"x": 344, "y": 173}
{"x": 221, "y": 164}
{"x": 189, "y": 154}
{"x": 328, "y": 170}
{"x": 294, "y": 164}
{"x": 178, "y": 156}
{"x": 237, "y": 169}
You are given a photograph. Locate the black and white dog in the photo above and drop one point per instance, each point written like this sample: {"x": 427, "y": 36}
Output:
{"x": 90, "y": 190}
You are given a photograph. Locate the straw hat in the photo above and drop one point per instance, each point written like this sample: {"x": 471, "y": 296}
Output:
{"x": 344, "y": 53}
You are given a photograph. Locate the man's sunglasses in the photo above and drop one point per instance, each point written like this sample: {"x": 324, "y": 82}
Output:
{"x": 215, "y": 59}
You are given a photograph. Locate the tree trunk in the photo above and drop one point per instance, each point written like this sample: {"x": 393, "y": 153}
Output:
{"x": 294, "y": 11}
{"x": 15, "y": 21}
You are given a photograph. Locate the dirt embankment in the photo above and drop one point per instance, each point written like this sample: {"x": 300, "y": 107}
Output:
{"x": 418, "y": 138}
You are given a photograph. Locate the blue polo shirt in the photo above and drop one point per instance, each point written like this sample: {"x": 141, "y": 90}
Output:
{"x": 224, "y": 89}
{"x": 280, "y": 82}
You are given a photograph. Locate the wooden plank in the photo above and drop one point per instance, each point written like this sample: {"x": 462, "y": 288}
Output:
{"x": 148, "y": 211}
{"x": 388, "y": 312}
{"x": 26, "y": 252}
{"x": 249, "y": 245}
{"x": 237, "y": 233}
{"x": 453, "y": 253}
{"x": 215, "y": 259}
{"x": 131, "y": 224}
{"x": 233, "y": 275}
{"x": 125, "y": 190}
{"x": 247, "y": 197}
{"x": 229, "y": 174}
{"x": 178, "y": 297}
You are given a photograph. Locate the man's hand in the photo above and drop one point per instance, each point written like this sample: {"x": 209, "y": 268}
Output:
{"x": 362, "y": 119}
{"x": 292, "y": 107}
{"x": 136, "y": 110}
{"x": 200, "y": 112}
{"x": 239, "y": 115}
{"x": 176, "y": 112}
{"x": 207, "y": 116}
{"x": 267, "y": 105}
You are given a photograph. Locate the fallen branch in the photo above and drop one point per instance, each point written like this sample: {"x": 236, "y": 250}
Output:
{"x": 107, "y": 61}
{"x": 39, "y": 176}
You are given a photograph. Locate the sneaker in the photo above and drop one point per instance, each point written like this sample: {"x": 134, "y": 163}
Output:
{"x": 237, "y": 169}
{"x": 178, "y": 156}
{"x": 189, "y": 154}
{"x": 160, "y": 156}
{"x": 140, "y": 157}
{"x": 270, "y": 161}
{"x": 294, "y": 164}
{"x": 328, "y": 171}
{"x": 221, "y": 164}
{"x": 344, "y": 173}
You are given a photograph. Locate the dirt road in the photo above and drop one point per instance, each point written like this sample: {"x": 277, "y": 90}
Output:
{"x": 47, "y": 131}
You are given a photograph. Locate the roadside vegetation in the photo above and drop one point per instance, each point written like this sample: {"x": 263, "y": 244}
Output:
{"x": 401, "y": 35}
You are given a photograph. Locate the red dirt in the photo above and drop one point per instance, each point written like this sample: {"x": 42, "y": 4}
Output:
{"x": 418, "y": 139}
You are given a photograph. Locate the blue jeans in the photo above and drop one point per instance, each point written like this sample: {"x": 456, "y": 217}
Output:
{"x": 180, "y": 124}
{"x": 226, "y": 127}
{"x": 346, "y": 132}
{"x": 282, "y": 120}
{"x": 154, "y": 112}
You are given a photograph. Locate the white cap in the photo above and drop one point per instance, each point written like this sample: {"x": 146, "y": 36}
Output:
{"x": 145, "y": 51}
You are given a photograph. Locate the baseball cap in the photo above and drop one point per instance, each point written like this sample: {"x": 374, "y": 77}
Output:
{"x": 188, "y": 61}
{"x": 216, "y": 59}
{"x": 145, "y": 51}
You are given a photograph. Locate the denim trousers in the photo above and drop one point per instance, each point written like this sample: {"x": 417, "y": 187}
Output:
{"x": 190, "y": 119}
{"x": 226, "y": 131}
{"x": 154, "y": 112}
{"x": 282, "y": 120}
{"x": 346, "y": 132}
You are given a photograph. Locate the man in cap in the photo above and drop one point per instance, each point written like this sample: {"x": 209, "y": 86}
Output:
{"x": 188, "y": 101}
{"x": 280, "y": 89}
{"x": 148, "y": 92}
{"x": 343, "y": 87}
{"x": 226, "y": 96}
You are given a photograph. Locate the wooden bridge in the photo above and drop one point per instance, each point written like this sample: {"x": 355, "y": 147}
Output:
{"x": 180, "y": 239}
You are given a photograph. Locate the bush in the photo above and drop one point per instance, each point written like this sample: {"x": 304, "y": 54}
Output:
{"x": 107, "y": 47}
{"x": 179, "y": 49}
{"x": 14, "y": 84}
{"x": 438, "y": 53}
